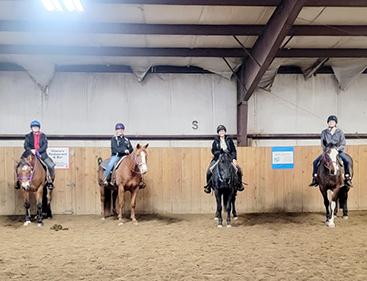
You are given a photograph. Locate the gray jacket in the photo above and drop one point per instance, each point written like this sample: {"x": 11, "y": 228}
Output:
{"x": 338, "y": 139}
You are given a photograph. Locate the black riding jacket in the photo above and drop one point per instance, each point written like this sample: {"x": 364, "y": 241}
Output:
{"x": 216, "y": 149}
{"x": 119, "y": 145}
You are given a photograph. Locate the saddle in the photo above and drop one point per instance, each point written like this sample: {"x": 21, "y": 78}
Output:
{"x": 112, "y": 174}
{"x": 104, "y": 163}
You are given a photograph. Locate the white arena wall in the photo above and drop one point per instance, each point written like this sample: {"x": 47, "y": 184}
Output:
{"x": 166, "y": 104}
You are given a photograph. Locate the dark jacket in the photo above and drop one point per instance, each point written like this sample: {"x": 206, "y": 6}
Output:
{"x": 29, "y": 144}
{"x": 119, "y": 145}
{"x": 216, "y": 150}
{"x": 337, "y": 139}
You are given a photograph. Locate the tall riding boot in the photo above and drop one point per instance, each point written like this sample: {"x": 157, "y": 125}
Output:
{"x": 348, "y": 179}
{"x": 207, "y": 188}
{"x": 240, "y": 184}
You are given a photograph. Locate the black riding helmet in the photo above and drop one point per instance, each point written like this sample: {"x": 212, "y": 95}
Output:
{"x": 332, "y": 118}
{"x": 221, "y": 127}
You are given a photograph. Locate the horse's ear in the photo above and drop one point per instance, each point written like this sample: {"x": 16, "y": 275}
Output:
{"x": 146, "y": 146}
{"x": 138, "y": 146}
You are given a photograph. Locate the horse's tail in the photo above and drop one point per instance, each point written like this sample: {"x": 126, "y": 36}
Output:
{"x": 99, "y": 161}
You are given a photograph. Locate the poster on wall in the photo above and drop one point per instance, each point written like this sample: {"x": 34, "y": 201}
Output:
{"x": 282, "y": 157}
{"x": 60, "y": 156}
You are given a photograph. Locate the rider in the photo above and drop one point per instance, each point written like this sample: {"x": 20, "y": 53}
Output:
{"x": 36, "y": 142}
{"x": 120, "y": 146}
{"x": 333, "y": 136}
{"x": 223, "y": 143}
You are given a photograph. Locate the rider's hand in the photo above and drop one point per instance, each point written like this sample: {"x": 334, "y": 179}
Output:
{"x": 33, "y": 151}
{"x": 127, "y": 151}
{"x": 234, "y": 161}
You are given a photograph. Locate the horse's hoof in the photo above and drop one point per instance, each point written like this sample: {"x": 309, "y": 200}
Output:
{"x": 216, "y": 219}
{"x": 121, "y": 223}
{"x": 331, "y": 225}
{"x": 345, "y": 217}
{"x": 40, "y": 224}
{"x": 103, "y": 219}
{"x": 135, "y": 222}
{"x": 235, "y": 218}
{"x": 229, "y": 226}
{"x": 220, "y": 226}
{"x": 27, "y": 223}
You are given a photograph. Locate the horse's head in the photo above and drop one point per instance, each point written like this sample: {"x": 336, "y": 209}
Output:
{"x": 225, "y": 169}
{"x": 331, "y": 159}
{"x": 24, "y": 172}
{"x": 141, "y": 156}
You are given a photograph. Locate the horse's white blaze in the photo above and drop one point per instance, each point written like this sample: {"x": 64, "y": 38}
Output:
{"x": 333, "y": 156}
{"x": 24, "y": 168}
{"x": 143, "y": 166}
{"x": 25, "y": 184}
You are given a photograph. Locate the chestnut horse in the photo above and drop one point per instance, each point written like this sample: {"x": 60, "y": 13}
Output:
{"x": 330, "y": 177}
{"x": 31, "y": 176}
{"x": 126, "y": 177}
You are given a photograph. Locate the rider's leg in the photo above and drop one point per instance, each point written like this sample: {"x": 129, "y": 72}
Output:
{"x": 344, "y": 157}
{"x": 50, "y": 172}
{"x": 207, "y": 188}
{"x": 109, "y": 168}
{"x": 316, "y": 164}
{"x": 240, "y": 175}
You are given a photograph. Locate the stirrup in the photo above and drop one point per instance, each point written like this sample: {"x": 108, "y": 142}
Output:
{"x": 207, "y": 189}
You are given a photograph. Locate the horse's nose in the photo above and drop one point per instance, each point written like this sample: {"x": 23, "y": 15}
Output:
{"x": 144, "y": 169}
{"x": 25, "y": 185}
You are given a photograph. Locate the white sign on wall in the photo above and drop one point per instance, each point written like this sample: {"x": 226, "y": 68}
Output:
{"x": 60, "y": 156}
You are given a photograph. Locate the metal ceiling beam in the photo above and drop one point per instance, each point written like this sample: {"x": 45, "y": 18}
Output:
{"x": 313, "y": 3}
{"x": 268, "y": 44}
{"x": 174, "y": 52}
{"x": 176, "y": 29}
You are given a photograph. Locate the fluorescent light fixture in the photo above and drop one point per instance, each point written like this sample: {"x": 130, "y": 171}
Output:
{"x": 69, "y": 5}
{"x": 78, "y": 5}
{"x": 63, "y": 5}
{"x": 57, "y": 5}
{"x": 48, "y": 5}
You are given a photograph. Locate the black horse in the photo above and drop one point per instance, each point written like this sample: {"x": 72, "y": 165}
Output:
{"x": 224, "y": 182}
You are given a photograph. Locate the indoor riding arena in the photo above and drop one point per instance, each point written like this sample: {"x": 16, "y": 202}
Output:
{"x": 207, "y": 108}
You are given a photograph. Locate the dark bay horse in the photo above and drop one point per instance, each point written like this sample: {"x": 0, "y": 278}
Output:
{"x": 331, "y": 183}
{"x": 31, "y": 176}
{"x": 224, "y": 180}
{"x": 126, "y": 177}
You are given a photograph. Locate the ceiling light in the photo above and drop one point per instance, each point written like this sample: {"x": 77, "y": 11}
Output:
{"x": 63, "y": 5}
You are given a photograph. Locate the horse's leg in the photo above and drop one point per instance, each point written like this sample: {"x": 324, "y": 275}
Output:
{"x": 227, "y": 198}
{"x": 133, "y": 204}
{"x": 234, "y": 211}
{"x": 218, "y": 197}
{"x": 345, "y": 203}
{"x": 103, "y": 204}
{"x": 121, "y": 199}
{"x": 39, "y": 196}
{"x": 334, "y": 197}
{"x": 326, "y": 203}
{"x": 49, "y": 199}
{"x": 27, "y": 206}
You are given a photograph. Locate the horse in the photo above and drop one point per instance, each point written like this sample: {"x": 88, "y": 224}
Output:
{"x": 330, "y": 178}
{"x": 224, "y": 181}
{"x": 126, "y": 177}
{"x": 31, "y": 177}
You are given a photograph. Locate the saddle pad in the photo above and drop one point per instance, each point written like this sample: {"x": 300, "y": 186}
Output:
{"x": 104, "y": 164}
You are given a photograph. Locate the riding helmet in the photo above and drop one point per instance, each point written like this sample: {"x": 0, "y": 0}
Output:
{"x": 35, "y": 123}
{"x": 221, "y": 127}
{"x": 332, "y": 118}
{"x": 119, "y": 126}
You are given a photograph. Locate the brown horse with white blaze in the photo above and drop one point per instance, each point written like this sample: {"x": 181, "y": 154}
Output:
{"x": 330, "y": 178}
{"x": 31, "y": 176}
{"x": 126, "y": 177}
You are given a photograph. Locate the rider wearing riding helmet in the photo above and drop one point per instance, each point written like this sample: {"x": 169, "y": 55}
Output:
{"x": 120, "y": 146}
{"x": 333, "y": 136}
{"x": 36, "y": 142}
{"x": 223, "y": 143}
